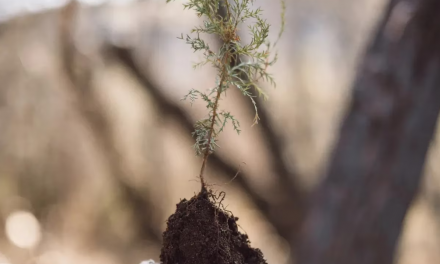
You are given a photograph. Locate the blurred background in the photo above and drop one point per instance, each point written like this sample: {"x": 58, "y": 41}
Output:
{"x": 95, "y": 146}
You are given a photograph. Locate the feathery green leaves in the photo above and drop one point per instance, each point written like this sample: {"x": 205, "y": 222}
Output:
{"x": 239, "y": 65}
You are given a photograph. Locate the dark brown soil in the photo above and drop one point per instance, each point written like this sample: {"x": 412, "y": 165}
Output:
{"x": 201, "y": 232}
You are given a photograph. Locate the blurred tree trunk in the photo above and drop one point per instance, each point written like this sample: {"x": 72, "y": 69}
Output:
{"x": 356, "y": 214}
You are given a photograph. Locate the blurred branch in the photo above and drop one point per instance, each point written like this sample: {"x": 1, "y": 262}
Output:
{"x": 293, "y": 194}
{"x": 377, "y": 164}
{"x": 167, "y": 107}
{"x": 272, "y": 139}
{"x": 78, "y": 71}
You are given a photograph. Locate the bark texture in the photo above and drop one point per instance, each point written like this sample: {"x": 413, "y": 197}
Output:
{"x": 357, "y": 212}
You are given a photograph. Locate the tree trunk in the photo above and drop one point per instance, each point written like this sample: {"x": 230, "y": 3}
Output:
{"x": 357, "y": 212}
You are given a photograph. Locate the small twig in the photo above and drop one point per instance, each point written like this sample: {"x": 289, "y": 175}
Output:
{"x": 238, "y": 172}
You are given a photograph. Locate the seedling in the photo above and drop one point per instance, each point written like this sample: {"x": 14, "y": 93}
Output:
{"x": 201, "y": 231}
{"x": 239, "y": 66}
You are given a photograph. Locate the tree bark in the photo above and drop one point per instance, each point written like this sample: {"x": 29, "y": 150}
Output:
{"x": 357, "y": 212}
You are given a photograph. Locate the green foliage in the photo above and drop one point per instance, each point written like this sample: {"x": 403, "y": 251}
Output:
{"x": 239, "y": 65}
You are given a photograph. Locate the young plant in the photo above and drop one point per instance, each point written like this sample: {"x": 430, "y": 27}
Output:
{"x": 238, "y": 65}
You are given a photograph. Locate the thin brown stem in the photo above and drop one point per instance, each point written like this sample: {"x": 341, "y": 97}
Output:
{"x": 224, "y": 62}
{"x": 211, "y": 129}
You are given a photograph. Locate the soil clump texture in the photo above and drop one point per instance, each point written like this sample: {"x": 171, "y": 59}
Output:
{"x": 201, "y": 231}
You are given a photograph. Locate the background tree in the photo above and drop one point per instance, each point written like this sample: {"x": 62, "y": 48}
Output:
{"x": 375, "y": 172}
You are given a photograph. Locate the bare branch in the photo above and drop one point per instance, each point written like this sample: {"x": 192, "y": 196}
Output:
{"x": 78, "y": 71}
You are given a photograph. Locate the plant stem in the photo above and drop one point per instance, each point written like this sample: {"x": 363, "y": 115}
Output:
{"x": 211, "y": 129}
{"x": 224, "y": 62}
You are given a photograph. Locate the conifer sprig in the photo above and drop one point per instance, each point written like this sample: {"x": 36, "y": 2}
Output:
{"x": 253, "y": 60}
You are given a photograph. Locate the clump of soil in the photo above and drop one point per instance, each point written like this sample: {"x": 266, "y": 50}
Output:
{"x": 202, "y": 232}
